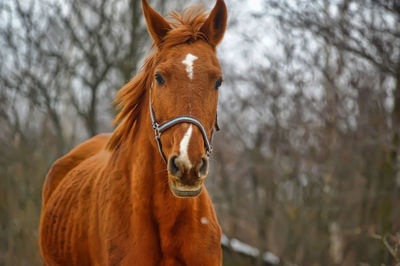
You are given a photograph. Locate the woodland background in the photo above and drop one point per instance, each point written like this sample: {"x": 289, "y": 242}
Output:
{"x": 307, "y": 163}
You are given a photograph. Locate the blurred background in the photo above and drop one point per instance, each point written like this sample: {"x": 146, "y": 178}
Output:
{"x": 307, "y": 167}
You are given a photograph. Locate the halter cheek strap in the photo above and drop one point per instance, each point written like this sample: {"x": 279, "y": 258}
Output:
{"x": 160, "y": 128}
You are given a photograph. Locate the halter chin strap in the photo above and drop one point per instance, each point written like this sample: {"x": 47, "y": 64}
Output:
{"x": 160, "y": 128}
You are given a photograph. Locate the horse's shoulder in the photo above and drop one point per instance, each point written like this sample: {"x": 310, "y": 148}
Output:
{"x": 62, "y": 166}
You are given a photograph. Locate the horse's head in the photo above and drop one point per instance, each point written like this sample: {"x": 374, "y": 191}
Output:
{"x": 187, "y": 76}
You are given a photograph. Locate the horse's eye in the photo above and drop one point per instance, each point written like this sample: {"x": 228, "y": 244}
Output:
{"x": 218, "y": 83}
{"x": 160, "y": 80}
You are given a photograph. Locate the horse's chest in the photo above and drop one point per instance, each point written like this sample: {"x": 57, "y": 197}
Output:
{"x": 187, "y": 242}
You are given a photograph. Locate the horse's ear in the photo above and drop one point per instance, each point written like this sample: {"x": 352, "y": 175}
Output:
{"x": 215, "y": 25}
{"x": 156, "y": 24}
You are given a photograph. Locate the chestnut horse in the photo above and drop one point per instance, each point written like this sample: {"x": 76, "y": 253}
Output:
{"x": 132, "y": 199}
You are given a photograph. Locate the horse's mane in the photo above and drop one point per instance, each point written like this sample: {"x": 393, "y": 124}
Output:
{"x": 185, "y": 27}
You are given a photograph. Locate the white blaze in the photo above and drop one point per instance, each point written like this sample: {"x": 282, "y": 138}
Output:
{"x": 189, "y": 64}
{"x": 183, "y": 147}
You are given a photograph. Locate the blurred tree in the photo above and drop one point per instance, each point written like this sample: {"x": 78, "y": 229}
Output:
{"x": 72, "y": 54}
{"x": 318, "y": 115}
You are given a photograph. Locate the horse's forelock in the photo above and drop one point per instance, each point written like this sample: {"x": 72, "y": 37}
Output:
{"x": 185, "y": 26}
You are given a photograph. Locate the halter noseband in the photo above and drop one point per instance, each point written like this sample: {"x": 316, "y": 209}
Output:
{"x": 160, "y": 128}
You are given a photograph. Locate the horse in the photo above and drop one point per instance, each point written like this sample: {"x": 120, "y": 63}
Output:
{"x": 137, "y": 196}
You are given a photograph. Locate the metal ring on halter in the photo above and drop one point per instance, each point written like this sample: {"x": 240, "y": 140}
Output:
{"x": 159, "y": 129}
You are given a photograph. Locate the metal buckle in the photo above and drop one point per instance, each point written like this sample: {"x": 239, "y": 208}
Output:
{"x": 156, "y": 130}
{"x": 209, "y": 150}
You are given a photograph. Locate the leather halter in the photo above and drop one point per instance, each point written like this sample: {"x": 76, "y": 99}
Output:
{"x": 160, "y": 128}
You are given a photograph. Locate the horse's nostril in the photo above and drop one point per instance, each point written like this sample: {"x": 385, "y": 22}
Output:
{"x": 173, "y": 167}
{"x": 203, "y": 167}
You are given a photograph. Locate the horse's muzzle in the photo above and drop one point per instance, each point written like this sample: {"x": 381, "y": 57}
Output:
{"x": 186, "y": 179}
